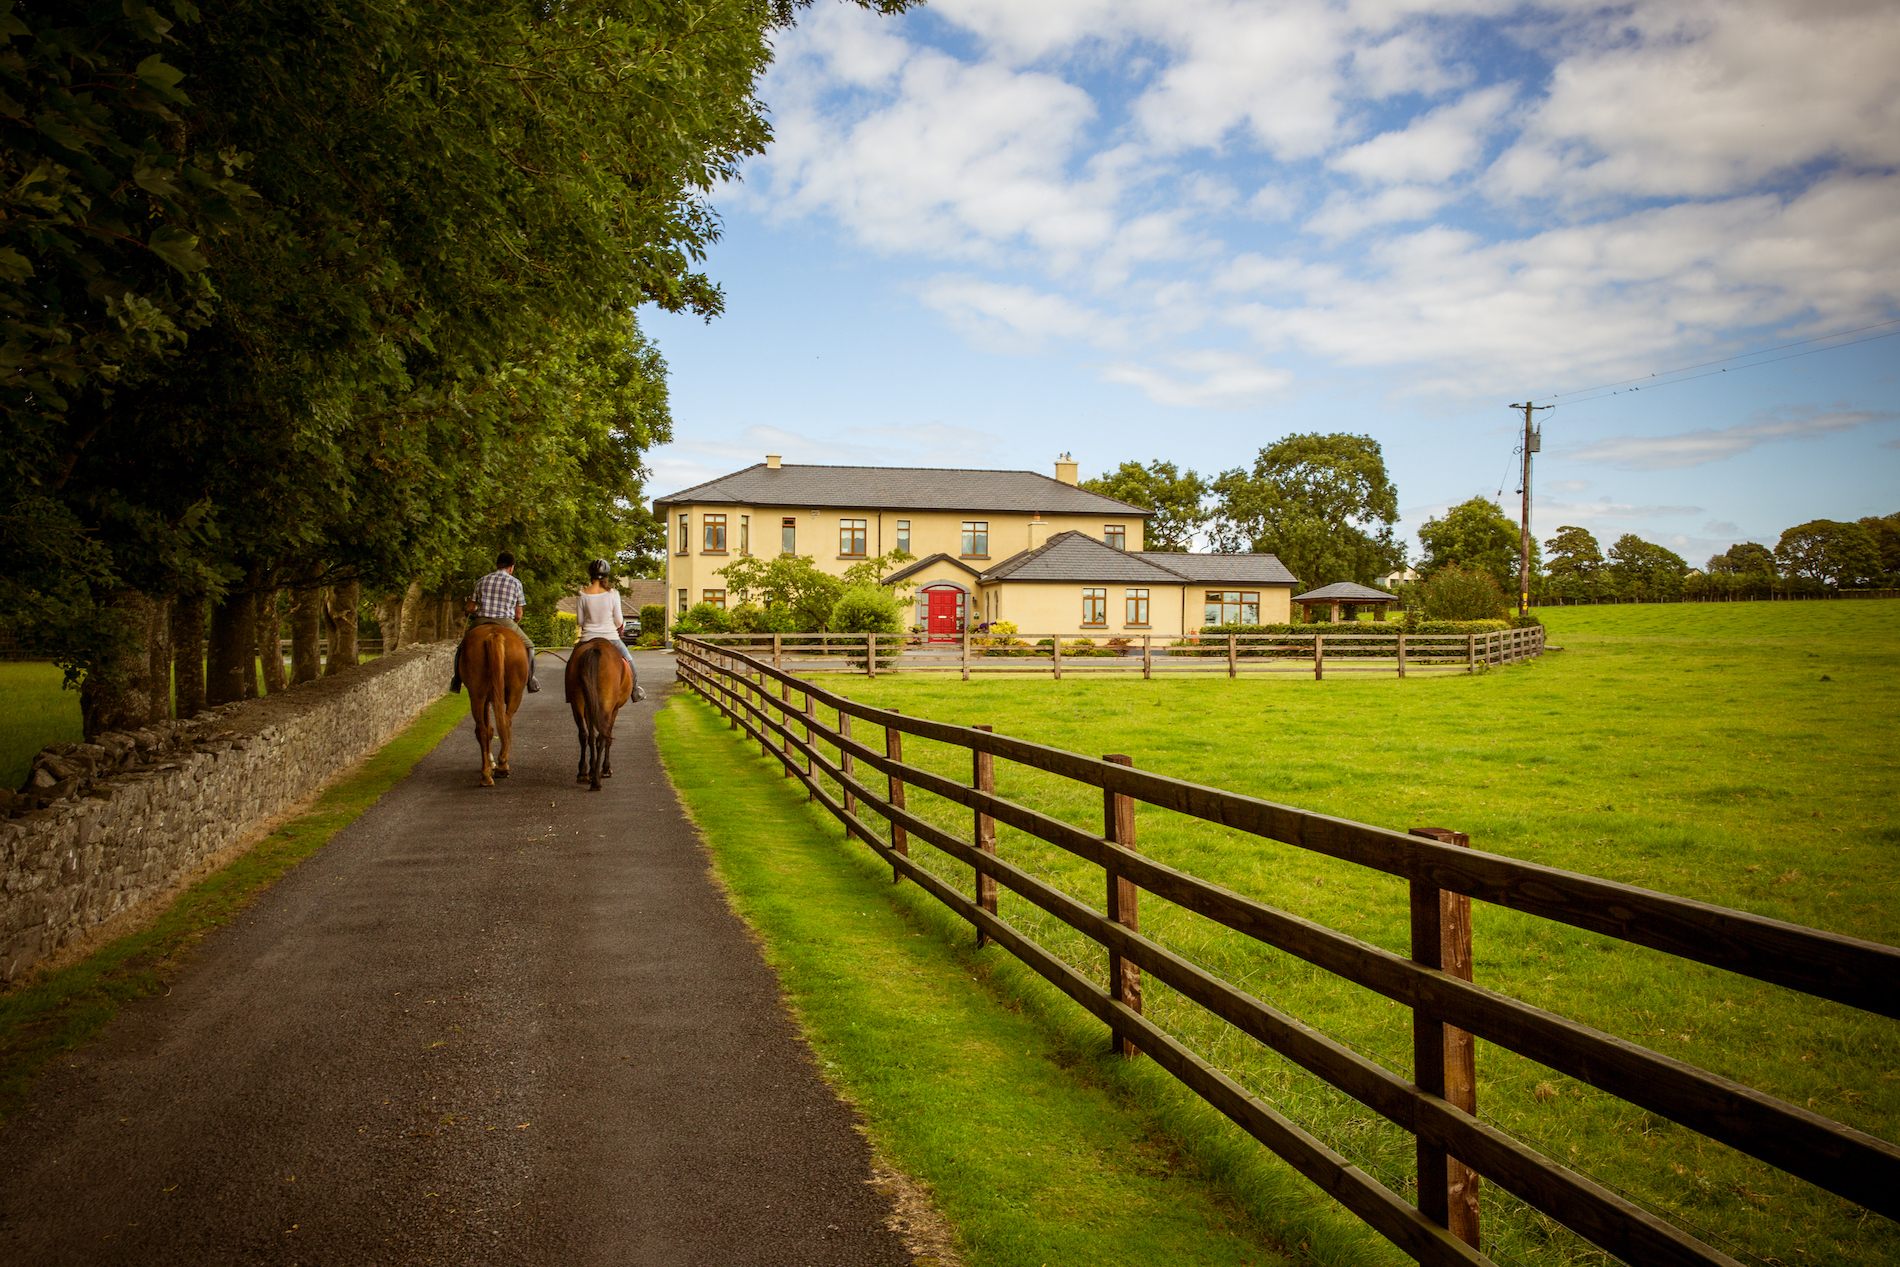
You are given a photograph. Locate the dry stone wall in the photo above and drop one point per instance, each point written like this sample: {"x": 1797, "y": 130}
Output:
{"x": 105, "y": 830}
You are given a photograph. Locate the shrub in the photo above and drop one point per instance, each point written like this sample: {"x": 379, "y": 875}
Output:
{"x": 563, "y": 629}
{"x": 868, "y": 609}
{"x": 703, "y": 618}
{"x": 1455, "y": 593}
{"x": 652, "y": 619}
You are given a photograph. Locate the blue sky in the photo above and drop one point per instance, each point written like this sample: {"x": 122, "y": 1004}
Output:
{"x": 993, "y": 230}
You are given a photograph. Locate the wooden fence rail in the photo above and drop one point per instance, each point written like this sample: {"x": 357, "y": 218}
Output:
{"x": 1453, "y": 1146}
{"x": 1325, "y": 650}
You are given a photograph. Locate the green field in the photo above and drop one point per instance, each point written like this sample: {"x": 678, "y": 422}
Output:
{"x": 1739, "y": 754}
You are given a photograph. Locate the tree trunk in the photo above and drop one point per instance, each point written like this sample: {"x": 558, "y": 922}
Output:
{"x": 412, "y": 613}
{"x": 270, "y": 641}
{"x": 158, "y": 662}
{"x": 306, "y": 634}
{"x": 445, "y": 617}
{"x": 231, "y": 650}
{"x": 188, "y": 653}
{"x": 339, "y": 608}
{"x": 389, "y": 616}
{"x": 117, "y": 691}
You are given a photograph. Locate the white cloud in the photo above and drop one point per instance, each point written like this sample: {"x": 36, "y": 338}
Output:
{"x": 1016, "y": 319}
{"x": 1433, "y": 147}
{"x": 1695, "y": 448}
{"x": 1210, "y": 380}
{"x": 1344, "y": 215}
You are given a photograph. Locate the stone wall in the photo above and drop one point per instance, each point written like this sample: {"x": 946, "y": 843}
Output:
{"x": 107, "y": 830}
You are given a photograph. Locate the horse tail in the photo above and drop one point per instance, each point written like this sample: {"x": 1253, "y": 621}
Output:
{"x": 495, "y": 654}
{"x": 591, "y": 707}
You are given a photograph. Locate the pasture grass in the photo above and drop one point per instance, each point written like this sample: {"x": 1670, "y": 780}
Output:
{"x": 1738, "y": 754}
{"x": 57, "y": 1011}
{"x": 1034, "y": 1142}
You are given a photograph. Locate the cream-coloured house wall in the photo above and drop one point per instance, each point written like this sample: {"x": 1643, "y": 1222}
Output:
{"x": 1054, "y": 609}
{"x": 817, "y": 534}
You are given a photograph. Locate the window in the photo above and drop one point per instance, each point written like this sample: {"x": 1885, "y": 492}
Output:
{"x": 976, "y": 537}
{"x": 1116, "y": 535}
{"x": 716, "y": 597}
{"x": 903, "y": 535}
{"x": 1136, "y": 609}
{"x": 852, "y": 537}
{"x": 1094, "y": 605}
{"x": 686, "y": 534}
{"x": 713, "y": 534}
{"x": 788, "y": 535}
{"x": 1232, "y": 607}
{"x": 745, "y": 534}
{"x": 682, "y": 602}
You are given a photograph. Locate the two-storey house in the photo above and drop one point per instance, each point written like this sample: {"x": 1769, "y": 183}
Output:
{"x": 1043, "y": 553}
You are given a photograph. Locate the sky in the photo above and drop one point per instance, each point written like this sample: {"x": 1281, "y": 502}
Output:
{"x": 991, "y": 231}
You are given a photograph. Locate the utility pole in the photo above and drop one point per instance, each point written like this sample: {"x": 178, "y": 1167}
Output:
{"x": 1533, "y": 441}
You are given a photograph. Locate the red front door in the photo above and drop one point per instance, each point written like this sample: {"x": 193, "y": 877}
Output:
{"x": 941, "y": 614}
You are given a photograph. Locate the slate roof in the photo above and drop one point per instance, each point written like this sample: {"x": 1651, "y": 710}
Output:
{"x": 911, "y": 569}
{"x": 900, "y": 488}
{"x": 1075, "y": 556}
{"x": 1345, "y": 592}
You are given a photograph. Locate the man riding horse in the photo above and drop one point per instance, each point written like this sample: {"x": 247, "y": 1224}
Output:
{"x": 499, "y": 600}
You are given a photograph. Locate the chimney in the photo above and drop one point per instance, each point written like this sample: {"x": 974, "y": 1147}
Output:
{"x": 1065, "y": 469}
{"x": 1038, "y": 530}
{"x": 771, "y": 461}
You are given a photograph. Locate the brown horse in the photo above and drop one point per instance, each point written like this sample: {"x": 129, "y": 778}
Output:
{"x": 493, "y": 663}
{"x": 599, "y": 683}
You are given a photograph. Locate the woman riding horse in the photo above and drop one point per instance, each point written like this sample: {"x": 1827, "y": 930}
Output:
{"x": 600, "y": 677}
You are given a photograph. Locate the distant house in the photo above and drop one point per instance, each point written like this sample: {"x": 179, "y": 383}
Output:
{"x": 1392, "y": 580}
{"x": 1045, "y": 554}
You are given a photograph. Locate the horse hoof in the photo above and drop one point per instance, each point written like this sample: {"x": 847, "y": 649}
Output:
{"x": 501, "y": 772}
{"x": 580, "y": 778}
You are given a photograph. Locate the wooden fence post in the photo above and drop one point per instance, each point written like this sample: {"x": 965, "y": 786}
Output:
{"x": 983, "y": 778}
{"x": 849, "y": 765}
{"x": 778, "y": 650}
{"x": 1471, "y": 653}
{"x": 1055, "y": 655}
{"x": 1319, "y": 656}
{"x": 1124, "y": 977}
{"x": 764, "y": 707}
{"x": 1401, "y": 655}
{"x": 811, "y": 784}
{"x": 1443, "y": 1057}
{"x": 1147, "y": 657}
{"x": 727, "y": 670}
{"x": 1233, "y": 655}
{"x": 785, "y": 720}
{"x": 900, "y": 838}
{"x": 966, "y": 651}
{"x": 870, "y": 655}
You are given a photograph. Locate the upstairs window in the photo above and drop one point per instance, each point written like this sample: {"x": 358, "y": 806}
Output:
{"x": 713, "y": 534}
{"x": 976, "y": 537}
{"x": 685, "y": 535}
{"x": 1116, "y": 535}
{"x": 745, "y": 534}
{"x": 788, "y": 535}
{"x": 903, "y": 535}
{"x": 853, "y": 536}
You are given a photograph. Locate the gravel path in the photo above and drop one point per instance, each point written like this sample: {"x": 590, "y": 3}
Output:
{"x": 507, "y": 1026}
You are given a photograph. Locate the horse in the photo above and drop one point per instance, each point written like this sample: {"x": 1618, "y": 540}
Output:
{"x": 493, "y": 662}
{"x": 599, "y": 683}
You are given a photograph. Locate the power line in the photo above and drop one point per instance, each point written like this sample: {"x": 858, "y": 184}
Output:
{"x": 1601, "y": 393}
{"x": 1650, "y": 379}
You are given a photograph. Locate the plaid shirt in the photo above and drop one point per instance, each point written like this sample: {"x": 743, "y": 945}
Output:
{"x": 499, "y": 594}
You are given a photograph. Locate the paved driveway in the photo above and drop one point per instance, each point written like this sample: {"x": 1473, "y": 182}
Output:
{"x": 500, "y": 1026}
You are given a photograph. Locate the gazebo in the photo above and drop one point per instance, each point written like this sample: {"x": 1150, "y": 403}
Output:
{"x": 1344, "y": 595}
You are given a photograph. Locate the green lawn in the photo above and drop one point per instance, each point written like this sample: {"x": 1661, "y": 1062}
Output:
{"x": 1740, "y": 754}
{"x": 36, "y": 712}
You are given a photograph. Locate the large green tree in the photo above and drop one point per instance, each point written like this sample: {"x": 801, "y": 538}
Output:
{"x": 1646, "y": 572}
{"x": 1322, "y": 503}
{"x": 1175, "y": 496}
{"x": 1573, "y": 564}
{"x": 1829, "y": 552}
{"x": 1477, "y": 536}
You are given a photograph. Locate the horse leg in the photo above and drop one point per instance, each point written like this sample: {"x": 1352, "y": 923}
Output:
{"x": 484, "y": 735}
{"x": 580, "y": 735}
{"x": 505, "y": 723}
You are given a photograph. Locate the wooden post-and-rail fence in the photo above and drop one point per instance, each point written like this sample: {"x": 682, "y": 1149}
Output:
{"x": 1437, "y": 1105}
{"x": 1325, "y": 651}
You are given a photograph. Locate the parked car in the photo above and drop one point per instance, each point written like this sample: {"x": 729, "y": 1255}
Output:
{"x": 630, "y": 632}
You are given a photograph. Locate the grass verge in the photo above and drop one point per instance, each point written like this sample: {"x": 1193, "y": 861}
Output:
{"x": 57, "y": 1012}
{"x": 1739, "y": 754}
{"x": 971, "y": 1074}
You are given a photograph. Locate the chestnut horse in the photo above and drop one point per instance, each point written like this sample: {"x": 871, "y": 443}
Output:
{"x": 493, "y": 663}
{"x": 599, "y": 683}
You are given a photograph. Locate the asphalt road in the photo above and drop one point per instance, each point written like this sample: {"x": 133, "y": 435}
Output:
{"x": 505, "y": 1026}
